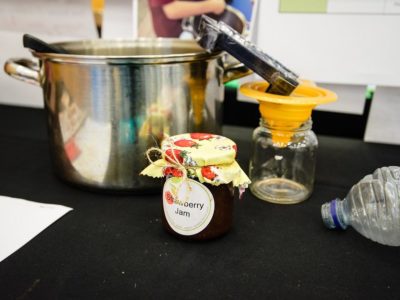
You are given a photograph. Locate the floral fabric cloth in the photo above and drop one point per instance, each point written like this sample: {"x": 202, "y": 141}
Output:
{"x": 208, "y": 157}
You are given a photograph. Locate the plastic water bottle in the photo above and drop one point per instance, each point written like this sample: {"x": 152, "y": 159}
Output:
{"x": 372, "y": 207}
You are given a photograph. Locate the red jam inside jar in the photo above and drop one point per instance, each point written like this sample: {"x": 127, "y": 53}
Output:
{"x": 221, "y": 220}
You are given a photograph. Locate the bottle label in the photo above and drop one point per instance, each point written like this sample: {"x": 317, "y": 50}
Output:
{"x": 188, "y": 205}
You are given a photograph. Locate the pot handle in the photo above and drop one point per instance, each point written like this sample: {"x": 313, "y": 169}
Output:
{"x": 235, "y": 70}
{"x": 23, "y": 69}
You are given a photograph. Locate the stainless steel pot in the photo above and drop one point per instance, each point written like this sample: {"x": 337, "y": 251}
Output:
{"x": 109, "y": 101}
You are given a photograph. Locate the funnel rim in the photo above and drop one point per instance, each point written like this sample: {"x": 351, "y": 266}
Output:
{"x": 256, "y": 90}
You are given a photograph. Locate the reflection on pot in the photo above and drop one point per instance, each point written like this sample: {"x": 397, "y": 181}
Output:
{"x": 110, "y": 101}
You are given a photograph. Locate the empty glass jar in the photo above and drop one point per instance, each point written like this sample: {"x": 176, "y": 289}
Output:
{"x": 283, "y": 161}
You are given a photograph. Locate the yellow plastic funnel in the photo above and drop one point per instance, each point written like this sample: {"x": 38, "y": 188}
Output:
{"x": 285, "y": 114}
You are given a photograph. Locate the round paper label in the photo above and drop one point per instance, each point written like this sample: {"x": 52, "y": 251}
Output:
{"x": 188, "y": 205}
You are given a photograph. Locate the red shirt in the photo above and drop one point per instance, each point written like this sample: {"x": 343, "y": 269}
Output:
{"x": 164, "y": 27}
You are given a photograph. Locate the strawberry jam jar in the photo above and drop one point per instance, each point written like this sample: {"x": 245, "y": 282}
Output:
{"x": 200, "y": 174}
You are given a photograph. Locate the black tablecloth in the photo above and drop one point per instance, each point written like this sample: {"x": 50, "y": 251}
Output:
{"x": 114, "y": 247}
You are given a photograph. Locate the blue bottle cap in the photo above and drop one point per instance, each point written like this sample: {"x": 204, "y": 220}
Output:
{"x": 331, "y": 216}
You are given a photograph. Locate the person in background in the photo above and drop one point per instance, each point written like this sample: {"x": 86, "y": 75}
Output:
{"x": 167, "y": 15}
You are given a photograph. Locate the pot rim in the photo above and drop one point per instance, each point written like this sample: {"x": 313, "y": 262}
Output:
{"x": 193, "y": 52}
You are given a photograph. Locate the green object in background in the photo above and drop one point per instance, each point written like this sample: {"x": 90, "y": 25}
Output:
{"x": 369, "y": 94}
{"x": 234, "y": 84}
{"x": 303, "y": 6}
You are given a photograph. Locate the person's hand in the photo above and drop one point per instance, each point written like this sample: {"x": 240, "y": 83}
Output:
{"x": 217, "y": 6}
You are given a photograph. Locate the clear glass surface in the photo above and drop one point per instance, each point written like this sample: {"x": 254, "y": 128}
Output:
{"x": 283, "y": 172}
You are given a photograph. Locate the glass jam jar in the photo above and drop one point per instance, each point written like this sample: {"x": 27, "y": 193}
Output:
{"x": 200, "y": 174}
{"x": 282, "y": 165}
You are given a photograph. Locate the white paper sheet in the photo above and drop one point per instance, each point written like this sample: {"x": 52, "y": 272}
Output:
{"x": 21, "y": 220}
{"x": 356, "y": 6}
{"x": 333, "y": 48}
{"x": 351, "y": 98}
{"x": 384, "y": 121}
{"x": 364, "y": 6}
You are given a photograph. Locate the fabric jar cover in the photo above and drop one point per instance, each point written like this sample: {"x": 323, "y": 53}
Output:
{"x": 208, "y": 157}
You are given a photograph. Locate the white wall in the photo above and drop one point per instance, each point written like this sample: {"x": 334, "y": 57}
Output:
{"x": 50, "y": 20}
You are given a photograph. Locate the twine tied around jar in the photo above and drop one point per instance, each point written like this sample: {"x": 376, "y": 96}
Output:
{"x": 173, "y": 163}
